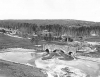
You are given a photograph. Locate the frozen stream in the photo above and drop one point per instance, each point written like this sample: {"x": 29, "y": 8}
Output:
{"x": 17, "y": 55}
{"x": 52, "y": 67}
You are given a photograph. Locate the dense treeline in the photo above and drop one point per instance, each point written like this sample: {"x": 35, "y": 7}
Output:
{"x": 77, "y": 29}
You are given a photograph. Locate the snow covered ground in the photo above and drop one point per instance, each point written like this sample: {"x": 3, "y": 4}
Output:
{"x": 52, "y": 67}
{"x": 93, "y": 43}
{"x": 17, "y": 57}
{"x": 18, "y": 50}
{"x": 14, "y": 36}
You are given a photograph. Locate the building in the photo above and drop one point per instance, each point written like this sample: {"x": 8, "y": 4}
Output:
{"x": 67, "y": 38}
{"x": 46, "y": 33}
{"x": 94, "y": 33}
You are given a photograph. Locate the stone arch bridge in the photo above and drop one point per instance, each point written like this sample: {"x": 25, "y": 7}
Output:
{"x": 65, "y": 48}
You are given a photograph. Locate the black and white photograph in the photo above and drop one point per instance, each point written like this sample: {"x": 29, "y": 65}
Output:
{"x": 49, "y": 38}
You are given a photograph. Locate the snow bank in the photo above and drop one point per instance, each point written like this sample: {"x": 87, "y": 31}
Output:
{"x": 79, "y": 67}
{"x": 17, "y": 57}
{"x": 53, "y": 67}
{"x": 93, "y": 43}
{"x": 18, "y": 50}
{"x": 13, "y": 36}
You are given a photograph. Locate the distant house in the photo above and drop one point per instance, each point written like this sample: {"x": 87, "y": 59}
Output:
{"x": 46, "y": 33}
{"x": 67, "y": 38}
{"x": 94, "y": 33}
{"x": 13, "y": 32}
{"x": 18, "y": 32}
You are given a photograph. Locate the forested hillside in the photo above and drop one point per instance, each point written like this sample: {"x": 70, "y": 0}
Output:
{"x": 59, "y": 27}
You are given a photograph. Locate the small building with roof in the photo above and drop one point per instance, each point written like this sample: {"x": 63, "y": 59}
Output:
{"x": 67, "y": 38}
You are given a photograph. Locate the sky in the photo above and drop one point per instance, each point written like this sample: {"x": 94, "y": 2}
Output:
{"x": 88, "y": 10}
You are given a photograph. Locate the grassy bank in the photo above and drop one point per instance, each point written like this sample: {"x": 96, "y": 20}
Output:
{"x": 9, "y": 69}
{"x": 13, "y": 42}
